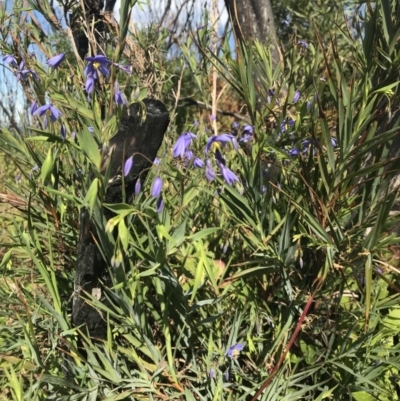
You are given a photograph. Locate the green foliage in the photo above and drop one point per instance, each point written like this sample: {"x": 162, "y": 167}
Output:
{"x": 297, "y": 260}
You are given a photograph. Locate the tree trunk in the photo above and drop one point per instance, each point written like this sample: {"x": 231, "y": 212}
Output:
{"x": 134, "y": 137}
{"x": 254, "y": 19}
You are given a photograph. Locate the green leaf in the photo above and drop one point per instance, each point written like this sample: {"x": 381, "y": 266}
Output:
{"x": 89, "y": 147}
{"x": 91, "y": 195}
{"x": 47, "y": 166}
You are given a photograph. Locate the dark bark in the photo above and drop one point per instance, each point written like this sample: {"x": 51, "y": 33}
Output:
{"x": 134, "y": 137}
{"x": 254, "y": 19}
{"x": 80, "y": 21}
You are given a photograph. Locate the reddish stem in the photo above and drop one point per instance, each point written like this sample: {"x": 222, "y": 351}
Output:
{"x": 287, "y": 349}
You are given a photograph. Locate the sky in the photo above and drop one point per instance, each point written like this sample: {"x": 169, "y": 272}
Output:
{"x": 144, "y": 12}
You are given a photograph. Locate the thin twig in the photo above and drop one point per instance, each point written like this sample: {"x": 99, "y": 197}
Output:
{"x": 192, "y": 102}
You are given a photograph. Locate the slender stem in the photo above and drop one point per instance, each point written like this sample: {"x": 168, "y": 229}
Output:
{"x": 287, "y": 349}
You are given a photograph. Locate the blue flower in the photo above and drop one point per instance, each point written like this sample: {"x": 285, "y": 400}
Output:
{"x": 334, "y": 142}
{"x": 10, "y": 59}
{"x": 182, "y": 143}
{"x": 33, "y": 107}
{"x": 160, "y": 204}
{"x": 287, "y": 123}
{"x": 198, "y": 163}
{"x": 223, "y": 138}
{"x": 97, "y": 63}
{"x": 156, "y": 187}
{"x": 89, "y": 84}
{"x": 119, "y": 97}
{"x": 303, "y": 43}
{"x": 246, "y": 138}
{"x": 210, "y": 173}
{"x": 306, "y": 145}
{"x": 138, "y": 187}
{"x": 234, "y": 350}
{"x": 56, "y": 60}
{"x": 128, "y": 166}
{"x": 294, "y": 152}
{"x": 63, "y": 132}
{"x": 24, "y": 73}
{"x": 248, "y": 129}
{"x": 219, "y": 157}
{"x": 189, "y": 154}
{"x": 296, "y": 96}
{"x": 229, "y": 176}
{"x": 54, "y": 113}
{"x": 125, "y": 68}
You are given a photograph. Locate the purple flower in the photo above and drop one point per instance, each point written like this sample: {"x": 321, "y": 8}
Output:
{"x": 235, "y": 128}
{"x": 119, "y": 97}
{"x": 212, "y": 373}
{"x": 54, "y": 113}
{"x": 198, "y": 163}
{"x": 212, "y": 117}
{"x": 296, "y": 96}
{"x": 128, "y": 166}
{"x": 24, "y": 73}
{"x": 182, "y": 143}
{"x": 56, "y": 60}
{"x": 89, "y": 84}
{"x": 303, "y": 43}
{"x": 63, "y": 132}
{"x": 125, "y": 68}
{"x": 246, "y": 138}
{"x": 97, "y": 63}
{"x": 10, "y": 59}
{"x": 219, "y": 157}
{"x": 90, "y": 129}
{"x": 308, "y": 105}
{"x": 234, "y": 350}
{"x": 157, "y": 161}
{"x": 294, "y": 152}
{"x": 35, "y": 167}
{"x": 138, "y": 187}
{"x": 210, "y": 173}
{"x": 306, "y": 145}
{"x": 156, "y": 187}
{"x": 189, "y": 154}
{"x": 334, "y": 142}
{"x": 160, "y": 204}
{"x": 73, "y": 134}
{"x": 195, "y": 123}
{"x": 287, "y": 123}
{"x": 271, "y": 93}
{"x": 33, "y": 107}
{"x": 229, "y": 176}
{"x": 223, "y": 138}
{"x": 248, "y": 129}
